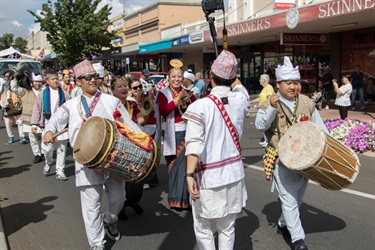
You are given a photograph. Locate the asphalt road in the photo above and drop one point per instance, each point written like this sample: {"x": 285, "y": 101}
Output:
{"x": 41, "y": 212}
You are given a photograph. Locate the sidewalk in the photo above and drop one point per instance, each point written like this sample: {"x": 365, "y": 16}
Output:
{"x": 363, "y": 115}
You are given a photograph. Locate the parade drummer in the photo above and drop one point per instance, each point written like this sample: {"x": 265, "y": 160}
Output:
{"x": 289, "y": 184}
{"x": 90, "y": 182}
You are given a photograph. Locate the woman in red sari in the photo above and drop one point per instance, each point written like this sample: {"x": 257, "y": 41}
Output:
{"x": 172, "y": 102}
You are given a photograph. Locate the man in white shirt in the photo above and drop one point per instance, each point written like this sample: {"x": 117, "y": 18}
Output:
{"x": 47, "y": 103}
{"x": 215, "y": 175}
{"x": 89, "y": 181}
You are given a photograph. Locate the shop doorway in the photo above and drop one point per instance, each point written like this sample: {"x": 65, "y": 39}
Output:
{"x": 251, "y": 69}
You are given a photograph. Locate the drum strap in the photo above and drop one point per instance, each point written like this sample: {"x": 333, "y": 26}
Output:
{"x": 232, "y": 129}
{"x": 290, "y": 121}
{"x": 271, "y": 154}
{"x": 90, "y": 110}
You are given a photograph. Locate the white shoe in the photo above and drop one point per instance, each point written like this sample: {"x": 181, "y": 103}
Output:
{"x": 263, "y": 144}
{"x": 46, "y": 169}
{"x": 327, "y": 107}
{"x": 146, "y": 186}
{"x": 61, "y": 176}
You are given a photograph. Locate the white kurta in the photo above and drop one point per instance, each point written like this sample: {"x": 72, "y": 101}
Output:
{"x": 222, "y": 191}
{"x": 68, "y": 113}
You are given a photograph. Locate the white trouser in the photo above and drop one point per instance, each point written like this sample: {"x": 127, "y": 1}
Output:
{"x": 60, "y": 147}
{"x": 34, "y": 143}
{"x": 291, "y": 188}
{"x": 91, "y": 199}
{"x": 8, "y": 127}
{"x": 203, "y": 229}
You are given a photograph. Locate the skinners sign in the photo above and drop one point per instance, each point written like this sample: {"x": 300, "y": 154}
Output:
{"x": 284, "y": 4}
{"x": 325, "y": 10}
{"x": 303, "y": 38}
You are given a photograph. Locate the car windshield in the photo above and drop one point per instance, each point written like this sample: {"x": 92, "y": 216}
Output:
{"x": 35, "y": 67}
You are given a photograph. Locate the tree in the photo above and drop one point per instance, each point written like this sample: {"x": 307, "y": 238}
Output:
{"x": 75, "y": 28}
{"x": 7, "y": 41}
{"x": 21, "y": 44}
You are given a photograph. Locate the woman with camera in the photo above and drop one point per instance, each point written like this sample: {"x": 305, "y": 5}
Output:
{"x": 343, "y": 95}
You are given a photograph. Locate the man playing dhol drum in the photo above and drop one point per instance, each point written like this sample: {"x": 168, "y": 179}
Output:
{"x": 89, "y": 181}
{"x": 290, "y": 185}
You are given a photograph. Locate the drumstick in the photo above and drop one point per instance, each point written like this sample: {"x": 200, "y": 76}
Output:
{"x": 59, "y": 133}
{"x": 279, "y": 109}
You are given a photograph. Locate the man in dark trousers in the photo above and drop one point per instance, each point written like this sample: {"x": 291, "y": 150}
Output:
{"x": 357, "y": 84}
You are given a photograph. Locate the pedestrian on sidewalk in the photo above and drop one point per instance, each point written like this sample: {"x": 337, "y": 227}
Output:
{"x": 343, "y": 95}
{"x": 89, "y": 181}
{"x": 326, "y": 84}
{"x": 357, "y": 84}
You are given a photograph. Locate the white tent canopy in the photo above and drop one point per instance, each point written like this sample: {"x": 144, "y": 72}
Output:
{"x": 11, "y": 51}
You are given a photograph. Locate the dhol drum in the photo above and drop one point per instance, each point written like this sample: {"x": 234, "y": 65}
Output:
{"x": 306, "y": 148}
{"x": 110, "y": 146}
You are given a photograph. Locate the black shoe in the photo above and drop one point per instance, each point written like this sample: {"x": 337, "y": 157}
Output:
{"x": 122, "y": 216}
{"x": 300, "y": 245}
{"x": 283, "y": 231}
{"x": 37, "y": 159}
{"x": 42, "y": 157}
{"x": 137, "y": 209}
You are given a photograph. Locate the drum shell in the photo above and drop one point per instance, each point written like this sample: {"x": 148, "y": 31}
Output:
{"x": 336, "y": 166}
{"x": 114, "y": 153}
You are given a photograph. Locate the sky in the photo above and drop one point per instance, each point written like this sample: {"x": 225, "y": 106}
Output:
{"x": 15, "y": 19}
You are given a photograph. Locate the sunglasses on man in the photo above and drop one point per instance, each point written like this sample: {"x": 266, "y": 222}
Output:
{"x": 137, "y": 87}
{"x": 89, "y": 77}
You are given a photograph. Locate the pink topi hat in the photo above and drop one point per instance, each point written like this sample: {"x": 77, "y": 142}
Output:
{"x": 83, "y": 68}
{"x": 225, "y": 65}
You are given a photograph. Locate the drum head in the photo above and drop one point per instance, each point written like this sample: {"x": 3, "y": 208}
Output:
{"x": 92, "y": 140}
{"x": 302, "y": 145}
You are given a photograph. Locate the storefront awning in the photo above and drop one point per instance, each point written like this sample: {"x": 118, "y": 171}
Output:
{"x": 159, "y": 45}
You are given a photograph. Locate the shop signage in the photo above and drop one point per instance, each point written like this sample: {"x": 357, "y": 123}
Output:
{"x": 183, "y": 40}
{"x": 303, "y": 39}
{"x": 284, "y": 4}
{"x": 117, "y": 24}
{"x": 311, "y": 13}
{"x": 197, "y": 37}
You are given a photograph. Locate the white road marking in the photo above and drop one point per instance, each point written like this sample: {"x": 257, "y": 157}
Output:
{"x": 358, "y": 193}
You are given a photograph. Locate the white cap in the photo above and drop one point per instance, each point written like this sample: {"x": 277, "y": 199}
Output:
{"x": 99, "y": 69}
{"x": 37, "y": 78}
{"x": 286, "y": 71}
{"x": 189, "y": 76}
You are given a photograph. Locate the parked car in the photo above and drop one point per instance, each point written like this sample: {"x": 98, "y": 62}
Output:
{"x": 138, "y": 74}
{"x": 7, "y": 64}
{"x": 156, "y": 78}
